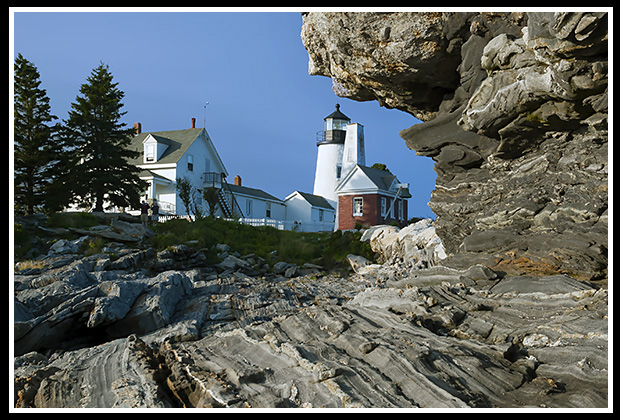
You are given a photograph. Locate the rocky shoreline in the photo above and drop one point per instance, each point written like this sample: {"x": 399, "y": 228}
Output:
{"x": 93, "y": 334}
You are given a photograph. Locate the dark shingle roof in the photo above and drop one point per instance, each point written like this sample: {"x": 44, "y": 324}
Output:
{"x": 178, "y": 142}
{"x": 316, "y": 200}
{"x": 254, "y": 192}
{"x": 382, "y": 179}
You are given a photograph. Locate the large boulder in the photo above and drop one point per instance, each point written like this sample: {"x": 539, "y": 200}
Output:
{"x": 415, "y": 245}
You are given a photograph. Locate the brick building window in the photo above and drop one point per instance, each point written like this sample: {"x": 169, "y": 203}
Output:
{"x": 358, "y": 206}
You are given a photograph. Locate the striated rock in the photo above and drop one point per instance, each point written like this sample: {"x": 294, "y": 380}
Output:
{"x": 515, "y": 117}
{"x": 435, "y": 337}
{"x": 124, "y": 373}
{"x": 63, "y": 246}
{"x": 404, "y": 60}
{"x": 358, "y": 263}
{"x": 117, "y": 230}
{"x": 150, "y": 310}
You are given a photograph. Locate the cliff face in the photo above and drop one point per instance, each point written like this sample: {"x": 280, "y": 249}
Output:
{"x": 514, "y": 111}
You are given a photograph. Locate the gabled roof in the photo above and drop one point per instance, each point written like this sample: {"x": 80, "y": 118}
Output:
{"x": 377, "y": 179}
{"x": 382, "y": 179}
{"x": 158, "y": 138}
{"x": 178, "y": 142}
{"x": 313, "y": 200}
{"x": 253, "y": 192}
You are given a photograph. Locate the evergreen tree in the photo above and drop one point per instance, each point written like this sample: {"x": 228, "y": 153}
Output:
{"x": 101, "y": 171}
{"x": 36, "y": 154}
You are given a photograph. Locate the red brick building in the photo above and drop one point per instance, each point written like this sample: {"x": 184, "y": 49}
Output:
{"x": 369, "y": 196}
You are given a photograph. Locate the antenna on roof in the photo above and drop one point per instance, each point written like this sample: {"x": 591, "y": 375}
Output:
{"x": 205, "y": 117}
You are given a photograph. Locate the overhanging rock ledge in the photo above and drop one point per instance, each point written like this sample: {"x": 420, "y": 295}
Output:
{"x": 514, "y": 111}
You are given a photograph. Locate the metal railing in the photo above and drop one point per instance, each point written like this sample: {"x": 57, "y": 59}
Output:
{"x": 212, "y": 179}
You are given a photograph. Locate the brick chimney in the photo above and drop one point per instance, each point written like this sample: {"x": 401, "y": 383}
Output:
{"x": 193, "y": 122}
{"x": 238, "y": 180}
{"x": 137, "y": 128}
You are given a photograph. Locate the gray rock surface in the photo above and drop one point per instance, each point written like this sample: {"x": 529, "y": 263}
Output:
{"x": 393, "y": 337}
{"x": 514, "y": 111}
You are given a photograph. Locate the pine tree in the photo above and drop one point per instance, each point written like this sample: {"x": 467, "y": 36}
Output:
{"x": 101, "y": 169}
{"x": 35, "y": 152}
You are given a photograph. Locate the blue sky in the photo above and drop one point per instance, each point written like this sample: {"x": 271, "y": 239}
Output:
{"x": 251, "y": 67}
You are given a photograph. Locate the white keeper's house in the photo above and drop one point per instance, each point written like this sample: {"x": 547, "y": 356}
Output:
{"x": 165, "y": 156}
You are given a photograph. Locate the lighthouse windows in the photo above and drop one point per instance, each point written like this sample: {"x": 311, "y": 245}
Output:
{"x": 335, "y": 124}
{"x": 338, "y": 171}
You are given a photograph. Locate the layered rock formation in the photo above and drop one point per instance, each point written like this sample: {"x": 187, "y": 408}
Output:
{"x": 216, "y": 337}
{"x": 514, "y": 111}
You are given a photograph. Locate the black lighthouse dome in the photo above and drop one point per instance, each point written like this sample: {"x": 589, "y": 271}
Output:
{"x": 334, "y": 128}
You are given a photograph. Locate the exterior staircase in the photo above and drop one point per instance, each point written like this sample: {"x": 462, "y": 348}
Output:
{"x": 226, "y": 197}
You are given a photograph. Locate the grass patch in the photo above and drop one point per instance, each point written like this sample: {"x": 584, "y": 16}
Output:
{"x": 328, "y": 249}
{"x": 324, "y": 248}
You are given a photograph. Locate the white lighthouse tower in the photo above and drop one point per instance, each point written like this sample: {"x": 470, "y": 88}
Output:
{"x": 340, "y": 148}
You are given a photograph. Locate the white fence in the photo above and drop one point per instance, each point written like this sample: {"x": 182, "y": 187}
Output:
{"x": 289, "y": 224}
{"x": 278, "y": 224}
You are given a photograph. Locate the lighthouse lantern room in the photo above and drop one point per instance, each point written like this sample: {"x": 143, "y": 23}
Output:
{"x": 334, "y": 128}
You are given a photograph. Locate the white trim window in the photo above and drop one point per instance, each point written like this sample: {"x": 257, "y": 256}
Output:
{"x": 383, "y": 206}
{"x": 358, "y": 206}
{"x": 248, "y": 208}
{"x": 150, "y": 153}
